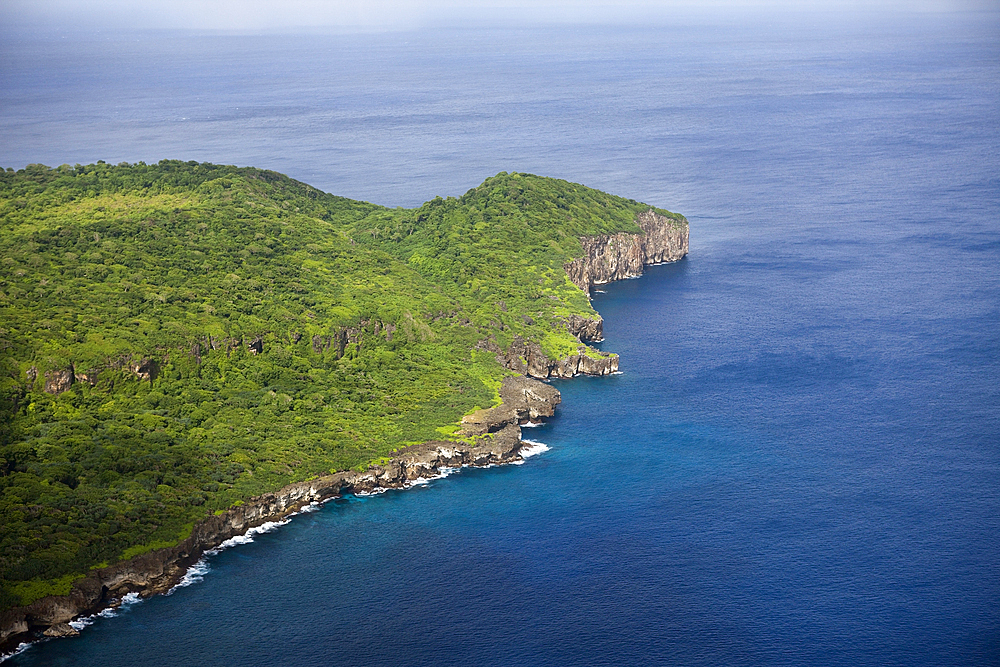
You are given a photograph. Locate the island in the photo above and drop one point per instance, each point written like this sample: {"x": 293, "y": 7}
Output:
{"x": 190, "y": 350}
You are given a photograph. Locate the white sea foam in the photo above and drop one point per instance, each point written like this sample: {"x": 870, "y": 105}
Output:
{"x": 197, "y": 572}
{"x": 443, "y": 472}
{"x": 422, "y": 481}
{"x": 534, "y": 448}
{"x": 82, "y": 622}
{"x": 247, "y": 537}
{"x": 21, "y": 648}
{"x": 130, "y": 599}
{"x": 532, "y": 424}
{"x": 313, "y": 506}
{"x": 409, "y": 484}
{"x": 194, "y": 574}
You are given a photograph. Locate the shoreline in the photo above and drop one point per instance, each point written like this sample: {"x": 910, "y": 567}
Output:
{"x": 178, "y": 563}
{"x": 195, "y": 572}
{"x": 493, "y": 438}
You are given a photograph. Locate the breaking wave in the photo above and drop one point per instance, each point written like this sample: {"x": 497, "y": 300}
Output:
{"x": 534, "y": 448}
{"x": 197, "y": 572}
{"x": 123, "y": 605}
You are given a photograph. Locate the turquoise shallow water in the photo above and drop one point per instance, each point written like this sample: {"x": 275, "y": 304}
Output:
{"x": 800, "y": 463}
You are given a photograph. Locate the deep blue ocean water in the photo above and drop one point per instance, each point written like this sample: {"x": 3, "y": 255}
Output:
{"x": 799, "y": 465}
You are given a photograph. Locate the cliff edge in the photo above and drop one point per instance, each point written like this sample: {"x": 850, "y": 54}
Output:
{"x": 611, "y": 257}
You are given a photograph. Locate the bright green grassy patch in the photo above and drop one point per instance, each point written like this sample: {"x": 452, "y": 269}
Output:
{"x": 140, "y": 549}
{"x": 26, "y": 592}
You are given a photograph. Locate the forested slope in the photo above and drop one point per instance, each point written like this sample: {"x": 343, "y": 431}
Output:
{"x": 179, "y": 337}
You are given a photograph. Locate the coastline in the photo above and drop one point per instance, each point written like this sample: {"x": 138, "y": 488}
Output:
{"x": 159, "y": 571}
{"x": 493, "y": 438}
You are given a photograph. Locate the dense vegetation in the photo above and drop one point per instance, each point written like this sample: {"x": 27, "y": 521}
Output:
{"x": 231, "y": 330}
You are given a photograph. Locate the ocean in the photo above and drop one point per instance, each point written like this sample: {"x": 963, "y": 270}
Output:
{"x": 800, "y": 462}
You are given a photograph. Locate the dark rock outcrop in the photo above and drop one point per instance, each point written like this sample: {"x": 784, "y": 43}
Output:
{"x": 90, "y": 377}
{"x": 146, "y": 369}
{"x": 61, "y": 630}
{"x": 610, "y": 257}
{"x": 256, "y": 346}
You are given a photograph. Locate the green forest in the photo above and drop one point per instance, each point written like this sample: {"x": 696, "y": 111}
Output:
{"x": 178, "y": 337}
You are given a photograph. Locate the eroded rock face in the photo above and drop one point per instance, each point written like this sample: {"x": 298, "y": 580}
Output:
{"x": 586, "y": 329}
{"x": 527, "y": 357}
{"x": 61, "y": 630}
{"x": 90, "y": 377}
{"x": 528, "y": 398}
{"x": 606, "y": 258}
{"x": 610, "y": 257}
{"x": 17, "y": 628}
{"x": 522, "y": 400}
{"x": 256, "y": 346}
{"x": 590, "y": 365}
{"x": 56, "y": 382}
{"x": 664, "y": 240}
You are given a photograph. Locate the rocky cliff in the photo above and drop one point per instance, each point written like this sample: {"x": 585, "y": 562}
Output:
{"x": 492, "y": 436}
{"x": 610, "y": 257}
{"x": 527, "y": 358}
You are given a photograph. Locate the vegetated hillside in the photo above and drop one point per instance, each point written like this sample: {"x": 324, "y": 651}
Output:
{"x": 179, "y": 337}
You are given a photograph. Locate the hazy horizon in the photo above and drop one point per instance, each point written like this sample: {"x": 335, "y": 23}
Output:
{"x": 258, "y": 15}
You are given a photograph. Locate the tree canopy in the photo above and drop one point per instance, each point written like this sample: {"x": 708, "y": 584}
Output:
{"x": 207, "y": 333}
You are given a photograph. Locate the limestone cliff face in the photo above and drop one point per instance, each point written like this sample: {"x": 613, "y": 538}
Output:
{"x": 587, "y": 330}
{"x": 522, "y": 400}
{"x": 606, "y": 258}
{"x": 527, "y": 358}
{"x": 58, "y": 381}
{"x": 610, "y": 257}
